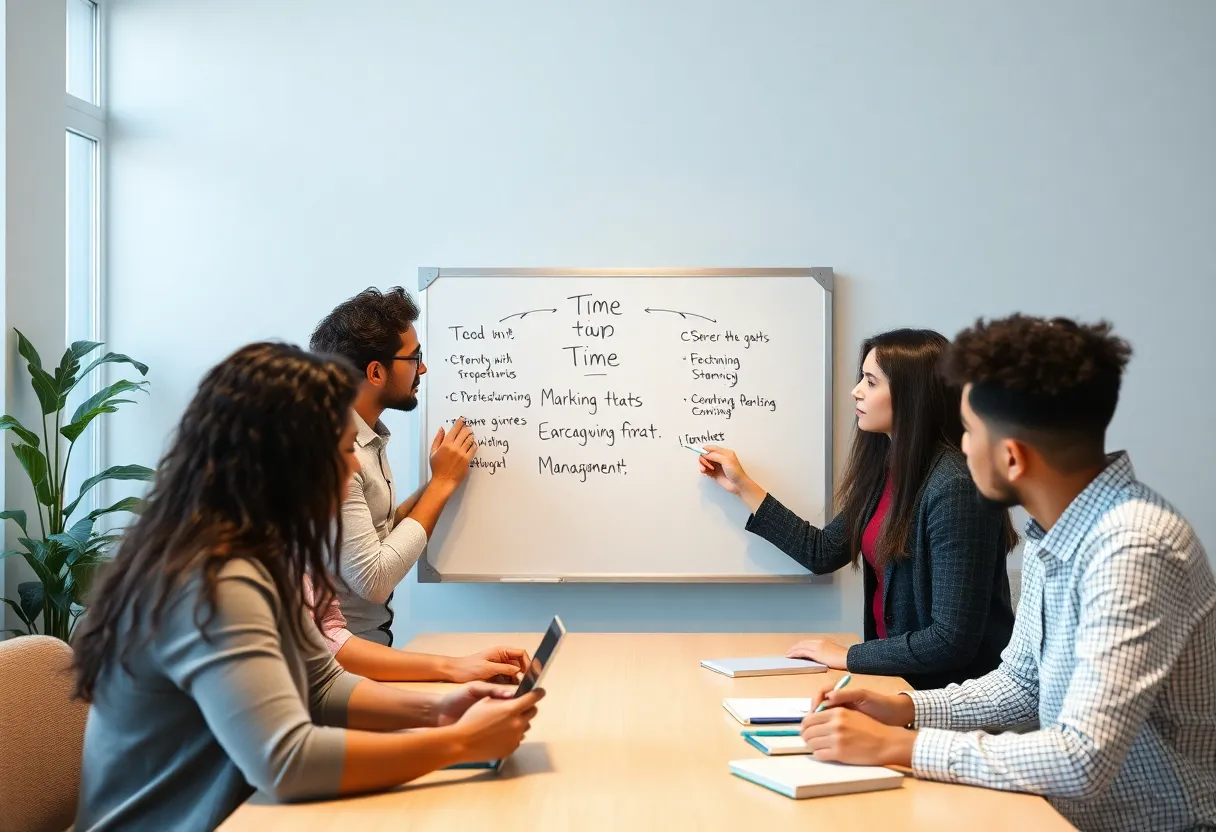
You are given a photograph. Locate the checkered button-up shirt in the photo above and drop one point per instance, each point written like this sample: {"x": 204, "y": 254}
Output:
{"x": 1114, "y": 652}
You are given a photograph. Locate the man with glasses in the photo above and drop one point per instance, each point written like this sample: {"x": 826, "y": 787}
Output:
{"x": 381, "y": 541}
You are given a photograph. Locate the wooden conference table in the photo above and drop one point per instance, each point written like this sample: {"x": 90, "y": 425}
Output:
{"x": 633, "y": 736}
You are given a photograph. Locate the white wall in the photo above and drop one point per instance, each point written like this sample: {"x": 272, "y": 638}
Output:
{"x": 949, "y": 158}
{"x": 35, "y": 285}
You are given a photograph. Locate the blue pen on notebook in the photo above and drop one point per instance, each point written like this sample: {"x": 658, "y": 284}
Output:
{"x": 772, "y": 733}
{"x": 844, "y": 680}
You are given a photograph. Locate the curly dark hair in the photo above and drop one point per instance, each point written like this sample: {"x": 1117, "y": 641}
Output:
{"x": 1046, "y": 376}
{"x": 367, "y": 327}
{"x": 255, "y": 471}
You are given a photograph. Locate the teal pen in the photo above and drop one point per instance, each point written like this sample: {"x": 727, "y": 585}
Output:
{"x": 695, "y": 449}
{"x": 844, "y": 680}
{"x": 772, "y": 733}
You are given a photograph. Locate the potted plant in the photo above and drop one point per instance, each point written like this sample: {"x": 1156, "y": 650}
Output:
{"x": 64, "y": 553}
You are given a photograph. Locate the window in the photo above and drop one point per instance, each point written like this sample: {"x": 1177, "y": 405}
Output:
{"x": 82, "y": 50}
{"x": 83, "y": 295}
{"x": 84, "y": 131}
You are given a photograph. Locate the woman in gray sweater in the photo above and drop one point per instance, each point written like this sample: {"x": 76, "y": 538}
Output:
{"x": 207, "y": 675}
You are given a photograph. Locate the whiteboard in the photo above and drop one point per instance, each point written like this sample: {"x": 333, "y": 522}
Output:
{"x": 582, "y": 386}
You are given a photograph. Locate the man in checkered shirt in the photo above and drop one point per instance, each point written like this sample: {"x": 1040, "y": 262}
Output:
{"x": 1114, "y": 647}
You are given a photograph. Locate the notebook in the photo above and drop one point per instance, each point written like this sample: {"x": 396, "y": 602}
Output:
{"x": 801, "y": 776}
{"x": 762, "y": 666}
{"x": 767, "y": 711}
{"x": 777, "y": 743}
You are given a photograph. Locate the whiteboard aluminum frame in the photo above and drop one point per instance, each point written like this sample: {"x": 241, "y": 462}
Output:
{"x": 823, "y": 275}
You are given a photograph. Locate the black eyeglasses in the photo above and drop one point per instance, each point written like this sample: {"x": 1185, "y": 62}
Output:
{"x": 416, "y": 358}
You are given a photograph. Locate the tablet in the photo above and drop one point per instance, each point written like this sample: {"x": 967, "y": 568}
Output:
{"x": 532, "y": 677}
{"x": 544, "y": 654}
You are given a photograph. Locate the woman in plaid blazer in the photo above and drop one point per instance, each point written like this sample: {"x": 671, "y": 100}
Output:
{"x": 937, "y": 606}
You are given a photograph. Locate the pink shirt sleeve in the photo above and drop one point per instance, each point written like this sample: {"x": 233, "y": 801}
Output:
{"x": 333, "y": 622}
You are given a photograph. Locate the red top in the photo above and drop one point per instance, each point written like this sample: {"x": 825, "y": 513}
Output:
{"x": 868, "y": 538}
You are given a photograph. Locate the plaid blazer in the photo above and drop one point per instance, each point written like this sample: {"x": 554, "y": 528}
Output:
{"x": 947, "y": 608}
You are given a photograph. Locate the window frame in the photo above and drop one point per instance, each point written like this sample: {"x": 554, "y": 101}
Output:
{"x": 88, "y": 120}
{"x": 95, "y": 110}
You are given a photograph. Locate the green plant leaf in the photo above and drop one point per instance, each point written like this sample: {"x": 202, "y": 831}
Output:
{"x": 117, "y": 472}
{"x": 44, "y": 493}
{"x": 45, "y": 389}
{"x": 66, "y": 370}
{"x": 55, "y": 555}
{"x": 27, "y": 435}
{"x": 80, "y": 349}
{"x": 33, "y": 599}
{"x": 35, "y": 466}
{"x": 72, "y": 432}
{"x": 61, "y": 599}
{"x": 134, "y": 505}
{"x": 111, "y": 358}
{"x": 69, "y": 366}
{"x": 35, "y": 556}
{"x": 80, "y": 579}
{"x": 92, "y": 556}
{"x": 32, "y": 460}
{"x": 19, "y": 612}
{"x": 104, "y": 395}
{"x": 50, "y": 396}
{"x": 27, "y": 349}
{"x": 17, "y": 515}
{"x": 99, "y": 544}
{"x": 75, "y": 539}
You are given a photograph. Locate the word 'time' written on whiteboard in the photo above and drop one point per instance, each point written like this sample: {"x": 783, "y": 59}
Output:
{"x": 505, "y": 407}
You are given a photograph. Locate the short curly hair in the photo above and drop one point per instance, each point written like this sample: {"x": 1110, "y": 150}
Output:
{"x": 1042, "y": 375}
{"x": 367, "y": 327}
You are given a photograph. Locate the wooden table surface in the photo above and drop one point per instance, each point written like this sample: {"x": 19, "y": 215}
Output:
{"x": 633, "y": 736}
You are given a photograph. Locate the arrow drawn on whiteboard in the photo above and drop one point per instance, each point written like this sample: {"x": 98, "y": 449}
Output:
{"x": 522, "y": 315}
{"x": 684, "y": 315}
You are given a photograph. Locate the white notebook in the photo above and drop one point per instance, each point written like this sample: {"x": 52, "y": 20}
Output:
{"x": 767, "y": 711}
{"x": 777, "y": 746}
{"x": 801, "y": 777}
{"x": 762, "y": 666}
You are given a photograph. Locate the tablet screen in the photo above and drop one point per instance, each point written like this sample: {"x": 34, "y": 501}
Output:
{"x": 544, "y": 654}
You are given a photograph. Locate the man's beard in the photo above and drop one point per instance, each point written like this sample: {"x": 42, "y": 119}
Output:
{"x": 403, "y": 403}
{"x": 1005, "y": 499}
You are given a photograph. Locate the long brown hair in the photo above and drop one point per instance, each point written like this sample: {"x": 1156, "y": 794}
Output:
{"x": 925, "y": 418}
{"x": 255, "y": 471}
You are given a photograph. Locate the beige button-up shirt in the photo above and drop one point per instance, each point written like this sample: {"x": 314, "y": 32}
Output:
{"x": 376, "y": 551}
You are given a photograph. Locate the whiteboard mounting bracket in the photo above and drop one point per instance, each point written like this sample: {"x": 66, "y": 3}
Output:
{"x": 426, "y": 276}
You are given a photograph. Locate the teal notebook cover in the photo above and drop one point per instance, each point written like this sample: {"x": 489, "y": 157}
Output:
{"x": 763, "y": 781}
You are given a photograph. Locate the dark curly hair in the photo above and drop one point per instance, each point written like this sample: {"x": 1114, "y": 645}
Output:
{"x": 1051, "y": 380}
{"x": 255, "y": 471}
{"x": 367, "y": 327}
